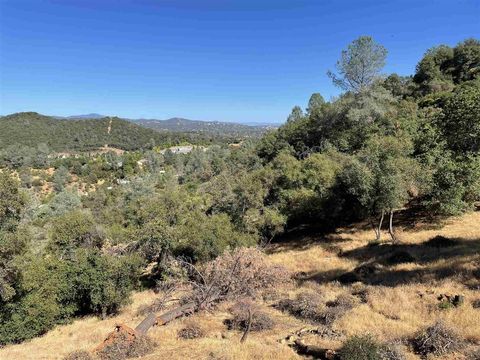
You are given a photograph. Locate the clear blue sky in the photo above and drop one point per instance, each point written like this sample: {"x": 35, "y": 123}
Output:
{"x": 233, "y": 60}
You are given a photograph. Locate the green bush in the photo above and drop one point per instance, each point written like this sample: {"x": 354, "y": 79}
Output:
{"x": 52, "y": 291}
{"x": 72, "y": 230}
{"x": 360, "y": 348}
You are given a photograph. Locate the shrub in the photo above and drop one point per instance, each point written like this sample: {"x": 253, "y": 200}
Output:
{"x": 72, "y": 230}
{"x": 122, "y": 348}
{"x": 391, "y": 352}
{"x": 55, "y": 290}
{"x": 305, "y": 306}
{"x": 191, "y": 331}
{"x": 438, "y": 339}
{"x": 445, "y": 305}
{"x": 474, "y": 355}
{"x": 245, "y": 311}
{"x": 309, "y": 306}
{"x": 360, "y": 348}
{"x": 476, "y": 304}
{"x": 79, "y": 355}
{"x": 244, "y": 272}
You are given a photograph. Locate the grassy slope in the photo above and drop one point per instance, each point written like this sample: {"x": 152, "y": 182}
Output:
{"x": 392, "y": 312}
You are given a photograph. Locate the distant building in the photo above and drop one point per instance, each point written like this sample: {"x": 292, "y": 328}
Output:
{"x": 185, "y": 149}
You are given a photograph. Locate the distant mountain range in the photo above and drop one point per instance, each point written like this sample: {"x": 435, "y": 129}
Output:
{"x": 178, "y": 124}
{"x": 91, "y": 131}
{"x": 86, "y": 116}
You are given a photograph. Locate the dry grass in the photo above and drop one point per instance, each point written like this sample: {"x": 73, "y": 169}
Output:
{"x": 394, "y": 304}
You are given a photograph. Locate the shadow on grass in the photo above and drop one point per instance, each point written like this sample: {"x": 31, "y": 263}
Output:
{"x": 462, "y": 263}
{"x": 302, "y": 237}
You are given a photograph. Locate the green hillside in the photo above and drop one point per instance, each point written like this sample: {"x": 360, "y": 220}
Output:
{"x": 32, "y": 129}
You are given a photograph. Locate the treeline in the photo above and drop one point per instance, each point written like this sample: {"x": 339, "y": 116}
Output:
{"x": 385, "y": 142}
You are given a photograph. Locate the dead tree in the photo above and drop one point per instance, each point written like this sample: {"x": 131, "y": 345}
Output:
{"x": 248, "y": 327}
{"x": 240, "y": 273}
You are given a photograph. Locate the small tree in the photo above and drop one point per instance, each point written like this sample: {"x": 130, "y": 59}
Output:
{"x": 60, "y": 178}
{"x": 359, "y": 65}
{"x": 461, "y": 120}
{"x": 395, "y": 177}
{"x": 296, "y": 114}
{"x": 12, "y": 201}
{"x": 315, "y": 103}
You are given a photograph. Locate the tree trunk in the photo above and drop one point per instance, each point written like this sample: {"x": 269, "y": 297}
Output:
{"x": 390, "y": 229}
{"x": 316, "y": 352}
{"x": 249, "y": 325}
{"x": 146, "y": 324}
{"x": 378, "y": 231}
{"x": 104, "y": 313}
{"x": 151, "y": 319}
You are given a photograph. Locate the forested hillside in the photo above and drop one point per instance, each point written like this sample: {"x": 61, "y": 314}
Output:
{"x": 32, "y": 130}
{"x": 391, "y": 153}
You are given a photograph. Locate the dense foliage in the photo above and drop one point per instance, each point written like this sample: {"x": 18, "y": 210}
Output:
{"x": 33, "y": 135}
{"x": 77, "y": 234}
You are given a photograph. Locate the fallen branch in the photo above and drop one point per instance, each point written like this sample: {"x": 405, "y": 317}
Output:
{"x": 312, "y": 350}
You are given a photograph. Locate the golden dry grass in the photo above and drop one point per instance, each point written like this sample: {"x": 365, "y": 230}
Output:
{"x": 397, "y": 311}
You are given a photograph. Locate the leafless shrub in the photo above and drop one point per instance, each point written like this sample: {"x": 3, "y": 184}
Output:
{"x": 329, "y": 316}
{"x": 344, "y": 301}
{"x": 244, "y": 272}
{"x": 391, "y": 352}
{"x": 337, "y": 308}
{"x": 438, "y": 339}
{"x": 327, "y": 332}
{"x": 155, "y": 306}
{"x": 476, "y": 304}
{"x": 306, "y": 306}
{"x": 158, "y": 304}
{"x": 191, "y": 330}
{"x": 274, "y": 294}
{"x": 310, "y": 307}
{"x": 79, "y": 355}
{"x": 474, "y": 354}
{"x": 123, "y": 348}
{"x": 245, "y": 312}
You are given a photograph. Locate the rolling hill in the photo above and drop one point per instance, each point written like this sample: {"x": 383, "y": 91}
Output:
{"x": 207, "y": 127}
{"x": 178, "y": 124}
{"x": 32, "y": 129}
